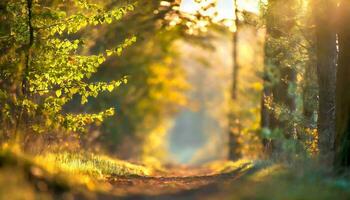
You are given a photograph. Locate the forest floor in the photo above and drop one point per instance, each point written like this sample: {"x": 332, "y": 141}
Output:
{"x": 177, "y": 182}
{"x": 84, "y": 176}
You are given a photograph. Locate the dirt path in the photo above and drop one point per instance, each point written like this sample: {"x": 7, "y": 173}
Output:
{"x": 179, "y": 183}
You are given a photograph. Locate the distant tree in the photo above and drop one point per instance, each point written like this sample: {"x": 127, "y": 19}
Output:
{"x": 234, "y": 123}
{"x": 41, "y": 68}
{"x": 243, "y": 120}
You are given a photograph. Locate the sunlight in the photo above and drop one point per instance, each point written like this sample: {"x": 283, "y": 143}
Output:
{"x": 224, "y": 8}
{"x": 174, "y": 99}
{"x": 189, "y": 6}
{"x": 249, "y": 5}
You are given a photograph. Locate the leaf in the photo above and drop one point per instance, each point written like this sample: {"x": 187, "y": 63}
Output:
{"x": 119, "y": 51}
{"x": 109, "y": 20}
{"x": 100, "y": 59}
{"x": 73, "y": 90}
{"x": 110, "y": 88}
{"x": 58, "y": 93}
{"x": 84, "y": 99}
{"x": 109, "y": 52}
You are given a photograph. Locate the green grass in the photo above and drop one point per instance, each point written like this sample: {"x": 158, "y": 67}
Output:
{"x": 218, "y": 167}
{"x": 282, "y": 182}
{"x": 50, "y": 175}
{"x": 96, "y": 166}
{"x": 53, "y": 175}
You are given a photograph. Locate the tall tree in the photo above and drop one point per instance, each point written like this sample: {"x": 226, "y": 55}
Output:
{"x": 326, "y": 52}
{"x": 234, "y": 123}
{"x": 342, "y": 158}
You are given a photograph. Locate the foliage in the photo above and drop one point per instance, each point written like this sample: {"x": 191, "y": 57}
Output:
{"x": 290, "y": 46}
{"x": 156, "y": 80}
{"x": 246, "y": 107}
{"x": 42, "y": 69}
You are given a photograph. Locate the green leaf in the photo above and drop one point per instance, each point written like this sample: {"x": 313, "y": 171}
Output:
{"x": 58, "y": 93}
{"x": 100, "y": 59}
{"x": 109, "y": 20}
{"x": 73, "y": 90}
{"x": 84, "y": 99}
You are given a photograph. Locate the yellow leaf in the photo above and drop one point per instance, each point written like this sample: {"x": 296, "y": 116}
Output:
{"x": 110, "y": 88}
{"x": 58, "y": 93}
{"x": 73, "y": 90}
{"x": 109, "y": 52}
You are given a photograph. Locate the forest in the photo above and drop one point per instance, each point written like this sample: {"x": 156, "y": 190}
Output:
{"x": 175, "y": 99}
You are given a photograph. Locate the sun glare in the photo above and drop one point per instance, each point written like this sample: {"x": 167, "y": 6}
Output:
{"x": 224, "y": 8}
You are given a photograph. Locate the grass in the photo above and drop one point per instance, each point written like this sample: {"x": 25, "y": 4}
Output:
{"x": 227, "y": 166}
{"x": 96, "y": 166}
{"x": 63, "y": 175}
{"x": 45, "y": 176}
{"x": 267, "y": 180}
{"x": 21, "y": 178}
{"x": 275, "y": 181}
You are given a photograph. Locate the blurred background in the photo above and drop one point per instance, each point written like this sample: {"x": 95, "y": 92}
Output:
{"x": 175, "y": 106}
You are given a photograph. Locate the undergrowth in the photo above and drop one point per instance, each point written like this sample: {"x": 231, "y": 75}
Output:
{"x": 59, "y": 175}
{"x": 96, "y": 166}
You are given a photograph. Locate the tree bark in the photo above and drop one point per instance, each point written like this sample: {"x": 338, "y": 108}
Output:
{"x": 326, "y": 52}
{"x": 342, "y": 157}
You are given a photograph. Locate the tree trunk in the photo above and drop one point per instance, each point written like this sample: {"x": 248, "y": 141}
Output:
{"x": 310, "y": 91}
{"x": 342, "y": 157}
{"x": 234, "y": 123}
{"x": 235, "y": 54}
{"x": 265, "y": 122}
{"x": 22, "y": 116}
{"x": 326, "y": 52}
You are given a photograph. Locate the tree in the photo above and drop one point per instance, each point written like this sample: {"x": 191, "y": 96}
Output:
{"x": 279, "y": 75}
{"x": 326, "y": 52}
{"x": 156, "y": 81}
{"x": 234, "y": 124}
{"x": 42, "y": 69}
{"x": 342, "y": 141}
